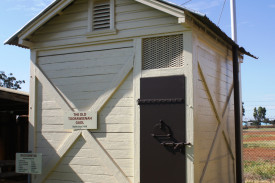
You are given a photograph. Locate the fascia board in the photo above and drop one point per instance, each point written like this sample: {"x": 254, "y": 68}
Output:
{"x": 44, "y": 18}
{"x": 25, "y": 43}
{"x": 18, "y": 92}
{"x": 164, "y": 8}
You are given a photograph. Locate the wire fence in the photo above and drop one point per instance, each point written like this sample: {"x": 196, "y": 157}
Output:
{"x": 259, "y": 154}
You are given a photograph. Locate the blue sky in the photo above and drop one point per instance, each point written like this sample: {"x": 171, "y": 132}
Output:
{"x": 255, "y": 27}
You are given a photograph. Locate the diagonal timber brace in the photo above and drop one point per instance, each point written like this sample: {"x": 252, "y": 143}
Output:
{"x": 97, "y": 106}
{"x": 220, "y": 115}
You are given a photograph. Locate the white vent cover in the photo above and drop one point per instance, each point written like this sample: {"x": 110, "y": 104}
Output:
{"x": 101, "y": 15}
{"x": 162, "y": 52}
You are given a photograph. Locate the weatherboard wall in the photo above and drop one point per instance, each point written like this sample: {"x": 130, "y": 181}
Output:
{"x": 132, "y": 19}
{"x": 214, "y": 136}
{"x": 81, "y": 78}
{"x": 73, "y": 71}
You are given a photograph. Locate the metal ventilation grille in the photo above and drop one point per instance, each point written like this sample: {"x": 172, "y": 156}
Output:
{"x": 163, "y": 52}
{"x": 101, "y": 15}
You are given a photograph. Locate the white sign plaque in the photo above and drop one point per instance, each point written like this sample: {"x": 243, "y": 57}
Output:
{"x": 80, "y": 120}
{"x": 29, "y": 163}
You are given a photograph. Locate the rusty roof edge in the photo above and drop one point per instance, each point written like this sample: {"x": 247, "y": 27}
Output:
{"x": 207, "y": 22}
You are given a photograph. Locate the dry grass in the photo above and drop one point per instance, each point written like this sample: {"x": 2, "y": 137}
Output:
{"x": 259, "y": 155}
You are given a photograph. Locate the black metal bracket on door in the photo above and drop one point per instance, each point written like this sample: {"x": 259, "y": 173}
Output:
{"x": 166, "y": 138}
{"x": 162, "y": 127}
{"x": 176, "y": 145}
{"x": 161, "y": 101}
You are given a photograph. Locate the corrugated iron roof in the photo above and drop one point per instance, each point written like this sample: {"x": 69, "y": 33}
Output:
{"x": 207, "y": 22}
{"x": 199, "y": 16}
{"x": 17, "y": 92}
{"x": 13, "y": 40}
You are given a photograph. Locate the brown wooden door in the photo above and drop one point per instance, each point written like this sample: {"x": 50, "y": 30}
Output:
{"x": 162, "y": 130}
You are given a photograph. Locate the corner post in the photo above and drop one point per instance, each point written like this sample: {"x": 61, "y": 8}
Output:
{"x": 238, "y": 141}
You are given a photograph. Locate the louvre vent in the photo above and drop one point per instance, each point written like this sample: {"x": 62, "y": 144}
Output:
{"x": 162, "y": 52}
{"x": 101, "y": 15}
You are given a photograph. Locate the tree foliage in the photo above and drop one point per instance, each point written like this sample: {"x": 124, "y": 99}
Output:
{"x": 243, "y": 110}
{"x": 10, "y": 81}
{"x": 259, "y": 115}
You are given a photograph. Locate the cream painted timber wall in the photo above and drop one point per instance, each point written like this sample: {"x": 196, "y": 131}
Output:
{"x": 78, "y": 81}
{"x": 72, "y": 71}
{"x": 214, "y": 137}
{"x": 132, "y": 19}
{"x": 77, "y": 77}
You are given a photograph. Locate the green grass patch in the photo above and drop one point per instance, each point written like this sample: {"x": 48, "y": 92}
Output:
{"x": 263, "y": 144}
{"x": 259, "y": 129}
{"x": 263, "y": 170}
{"x": 247, "y": 136}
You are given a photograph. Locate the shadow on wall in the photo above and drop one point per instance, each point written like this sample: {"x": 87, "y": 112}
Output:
{"x": 49, "y": 137}
{"x": 81, "y": 163}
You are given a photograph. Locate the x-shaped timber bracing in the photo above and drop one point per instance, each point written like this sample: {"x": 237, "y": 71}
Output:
{"x": 53, "y": 160}
{"x": 220, "y": 116}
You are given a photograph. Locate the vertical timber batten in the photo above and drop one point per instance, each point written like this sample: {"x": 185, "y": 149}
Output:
{"x": 188, "y": 71}
{"x": 136, "y": 89}
{"x": 32, "y": 102}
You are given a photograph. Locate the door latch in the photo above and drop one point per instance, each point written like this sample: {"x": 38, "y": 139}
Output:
{"x": 176, "y": 145}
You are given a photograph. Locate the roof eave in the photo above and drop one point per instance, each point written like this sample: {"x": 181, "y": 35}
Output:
{"x": 45, "y": 15}
{"x": 9, "y": 90}
{"x": 18, "y": 39}
{"x": 207, "y": 22}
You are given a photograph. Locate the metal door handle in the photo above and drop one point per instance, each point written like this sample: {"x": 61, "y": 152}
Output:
{"x": 167, "y": 135}
{"x": 176, "y": 145}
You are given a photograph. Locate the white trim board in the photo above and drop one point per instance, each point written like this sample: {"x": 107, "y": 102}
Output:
{"x": 43, "y": 19}
{"x": 165, "y": 8}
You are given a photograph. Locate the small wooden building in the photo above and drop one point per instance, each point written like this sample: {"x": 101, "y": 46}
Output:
{"x": 13, "y": 131}
{"x": 157, "y": 80}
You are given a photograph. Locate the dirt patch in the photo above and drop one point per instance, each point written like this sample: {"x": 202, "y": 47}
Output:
{"x": 250, "y": 136}
{"x": 259, "y": 153}
{"x": 255, "y": 154}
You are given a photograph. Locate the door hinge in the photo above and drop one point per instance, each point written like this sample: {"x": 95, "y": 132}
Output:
{"x": 161, "y": 101}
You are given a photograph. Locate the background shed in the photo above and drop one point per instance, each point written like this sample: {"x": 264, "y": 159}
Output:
{"x": 83, "y": 61}
{"x": 13, "y": 131}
